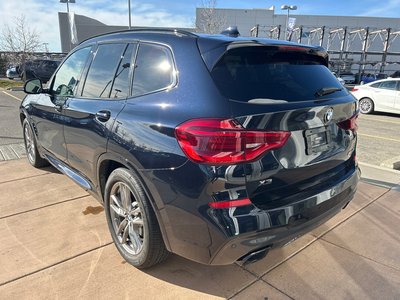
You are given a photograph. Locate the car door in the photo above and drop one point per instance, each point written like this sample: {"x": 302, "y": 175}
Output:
{"x": 91, "y": 114}
{"x": 46, "y": 111}
{"x": 397, "y": 99}
{"x": 385, "y": 94}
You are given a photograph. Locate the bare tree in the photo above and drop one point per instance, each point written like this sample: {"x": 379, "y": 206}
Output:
{"x": 209, "y": 20}
{"x": 20, "y": 39}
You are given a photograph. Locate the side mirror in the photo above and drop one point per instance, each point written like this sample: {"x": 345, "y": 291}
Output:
{"x": 33, "y": 86}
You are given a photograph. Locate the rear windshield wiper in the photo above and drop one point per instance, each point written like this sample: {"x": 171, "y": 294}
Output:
{"x": 326, "y": 91}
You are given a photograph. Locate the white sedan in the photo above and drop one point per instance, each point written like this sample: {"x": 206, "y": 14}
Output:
{"x": 381, "y": 95}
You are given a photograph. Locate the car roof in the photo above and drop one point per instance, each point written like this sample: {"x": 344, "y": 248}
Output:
{"x": 157, "y": 33}
{"x": 383, "y": 80}
{"x": 211, "y": 46}
{"x": 378, "y": 81}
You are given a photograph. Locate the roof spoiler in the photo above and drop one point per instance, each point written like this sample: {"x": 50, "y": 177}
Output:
{"x": 231, "y": 31}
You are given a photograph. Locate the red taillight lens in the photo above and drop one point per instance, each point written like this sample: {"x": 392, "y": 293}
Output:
{"x": 354, "y": 89}
{"x": 230, "y": 203}
{"x": 220, "y": 141}
{"x": 349, "y": 124}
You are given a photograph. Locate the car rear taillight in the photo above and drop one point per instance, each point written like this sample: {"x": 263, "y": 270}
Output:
{"x": 221, "y": 141}
{"x": 349, "y": 124}
{"x": 354, "y": 90}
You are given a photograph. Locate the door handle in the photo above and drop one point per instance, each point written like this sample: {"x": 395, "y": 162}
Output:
{"x": 103, "y": 115}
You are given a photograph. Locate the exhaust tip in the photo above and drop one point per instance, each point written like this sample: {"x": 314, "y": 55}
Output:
{"x": 254, "y": 256}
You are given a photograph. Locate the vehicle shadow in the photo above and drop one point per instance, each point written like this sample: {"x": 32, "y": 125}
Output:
{"x": 221, "y": 281}
{"x": 380, "y": 183}
{"x": 51, "y": 169}
{"x": 386, "y": 114}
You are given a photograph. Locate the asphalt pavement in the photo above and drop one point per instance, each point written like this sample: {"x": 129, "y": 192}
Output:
{"x": 379, "y": 140}
{"x": 54, "y": 240}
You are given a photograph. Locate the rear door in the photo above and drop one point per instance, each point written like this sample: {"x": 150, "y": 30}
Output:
{"x": 91, "y": 114}
{"x": 385, "y": 94}
{"x": 397, "y": 99}
{"x": 289, "y": 89}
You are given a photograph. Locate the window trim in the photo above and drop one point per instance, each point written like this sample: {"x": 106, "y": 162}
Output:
{"x": 174, "y": 71}
{"x": 130, "y": 75}
{"x": 52, "y": 80}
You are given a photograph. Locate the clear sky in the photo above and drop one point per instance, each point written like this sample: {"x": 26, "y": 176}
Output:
{"x": 42, "y": 14}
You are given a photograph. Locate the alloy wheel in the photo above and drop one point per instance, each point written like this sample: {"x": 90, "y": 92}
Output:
{"x": 29, "y": 144}
{"x": 127, "y": 218}
{"x": 366, "y": 106}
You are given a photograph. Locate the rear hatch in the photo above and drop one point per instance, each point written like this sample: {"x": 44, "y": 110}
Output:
{"x": 288, "y": 88}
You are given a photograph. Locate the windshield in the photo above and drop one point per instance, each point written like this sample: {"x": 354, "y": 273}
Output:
{"x": 270, "y": 75}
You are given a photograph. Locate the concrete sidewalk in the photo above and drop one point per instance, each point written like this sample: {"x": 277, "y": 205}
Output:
{"x": 54, "y": 243}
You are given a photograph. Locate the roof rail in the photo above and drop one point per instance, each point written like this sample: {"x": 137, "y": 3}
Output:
{"x": 161, "y": 29}
{"x": 146, "y": 29}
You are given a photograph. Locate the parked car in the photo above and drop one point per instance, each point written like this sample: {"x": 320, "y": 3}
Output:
{"x": 367, "y": 78}
{"x": 339, "y": 79}
{"x": 381, "y": 95}
{"x": 12, "y": 73}
{"x": 395, "y": 74}
{"x": 39, "y": 68}
{"x": 348, "y": 78}
{"x": 212, "y": 147}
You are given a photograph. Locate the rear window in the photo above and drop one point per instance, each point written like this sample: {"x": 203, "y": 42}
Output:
{"x": 270, "y": 75}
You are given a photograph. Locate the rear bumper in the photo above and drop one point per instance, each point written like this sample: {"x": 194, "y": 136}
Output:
{"x": 253, "y": 229}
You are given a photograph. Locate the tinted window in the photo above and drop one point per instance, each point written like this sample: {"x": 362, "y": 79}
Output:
{"x": 69, "y": 73}
{"x": 121, "y": 84}
{"x": 102, "y": 70}
{"x": 388, "y": 85}
{"x": 376, "y": 85}
{"x": 154, "y": 69}
{"x": 263, "y": 74}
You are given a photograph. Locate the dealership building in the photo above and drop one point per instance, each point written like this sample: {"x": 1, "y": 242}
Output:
{"x": 357, "y": 44}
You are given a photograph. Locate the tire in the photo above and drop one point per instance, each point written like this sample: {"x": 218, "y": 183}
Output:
{"x": 131, "y": 220}
{"x": 31, "y": 149}
{"x": 366, "y": 106}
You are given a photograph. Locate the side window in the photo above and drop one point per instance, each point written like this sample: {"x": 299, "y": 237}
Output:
{"x": 154, "y": 69}
{"x": 102, "y": 70}
{"x": 68, "y": 75}
{"x": 388, "y": 85}
{"x": 121, "y": 84}
{"x": 376, "y": 85}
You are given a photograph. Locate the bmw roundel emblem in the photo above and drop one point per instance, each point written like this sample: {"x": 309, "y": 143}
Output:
{"x": 328, "y": 115}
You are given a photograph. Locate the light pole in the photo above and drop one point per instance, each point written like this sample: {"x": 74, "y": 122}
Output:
{"x": 288, "y": 8}
{"x": 129, "y": 9}
{"x": 67, "y": 1}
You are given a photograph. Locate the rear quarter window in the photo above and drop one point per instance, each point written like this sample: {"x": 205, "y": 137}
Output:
{"x": 154, "y": 69}
{"x": 267, "y": 74}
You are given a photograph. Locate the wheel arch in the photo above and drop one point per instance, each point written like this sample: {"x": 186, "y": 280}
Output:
{"x": 22, "y": 114}
{"x": 107, "y": 163}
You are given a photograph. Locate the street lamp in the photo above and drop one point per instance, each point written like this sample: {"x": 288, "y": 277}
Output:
{"x": 288, "y": 8}
{"x": 67, "y": 1}
{"x": 129, "y": 11}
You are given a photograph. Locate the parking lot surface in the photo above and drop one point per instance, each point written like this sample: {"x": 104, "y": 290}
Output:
{"x": 378, "y": 144}
{"x": 379, "y": 139}
{"x": 54, "y": 243}
{"x": 54, "y": 240}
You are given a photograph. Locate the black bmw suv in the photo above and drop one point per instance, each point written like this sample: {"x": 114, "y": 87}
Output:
{"x": 212, "y": 147}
